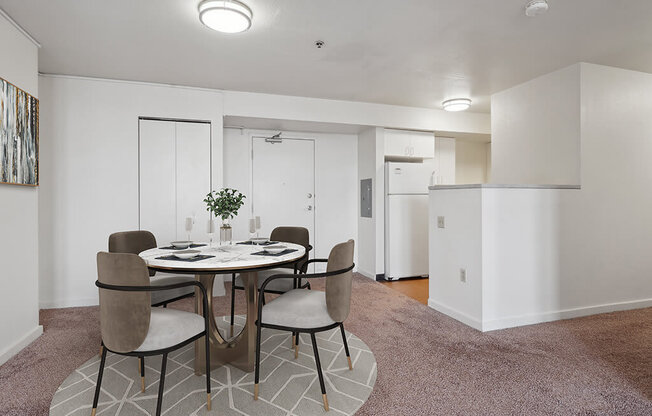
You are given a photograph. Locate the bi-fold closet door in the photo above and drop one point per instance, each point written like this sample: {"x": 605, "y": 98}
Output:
{"x": 174, "y": 178}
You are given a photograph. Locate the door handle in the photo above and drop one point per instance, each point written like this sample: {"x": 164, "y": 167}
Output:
{"x": 309, "y": 196}
{"x": 309, "y": 207}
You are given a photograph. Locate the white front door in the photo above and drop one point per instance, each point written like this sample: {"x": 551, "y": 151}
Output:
{"x": 283, "y": 184}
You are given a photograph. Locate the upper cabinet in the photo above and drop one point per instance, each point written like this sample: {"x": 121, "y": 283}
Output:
{"x": 404, "y": 143}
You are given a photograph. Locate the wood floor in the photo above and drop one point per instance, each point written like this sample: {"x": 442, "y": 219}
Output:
{"x": 414, "y": 288}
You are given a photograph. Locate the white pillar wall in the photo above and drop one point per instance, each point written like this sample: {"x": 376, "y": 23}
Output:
{"x": 19, "y": 216}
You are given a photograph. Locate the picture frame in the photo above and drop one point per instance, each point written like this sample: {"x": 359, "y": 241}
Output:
{"x": 19, "y": 136}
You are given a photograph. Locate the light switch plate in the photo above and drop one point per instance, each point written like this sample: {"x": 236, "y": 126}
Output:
{"x": 441, "y": 223}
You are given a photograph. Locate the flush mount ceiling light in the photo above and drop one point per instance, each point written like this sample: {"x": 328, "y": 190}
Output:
{"x": 456, "y": 104}
{"x": 536, "y": 7}
{"x": 228, "y": 16}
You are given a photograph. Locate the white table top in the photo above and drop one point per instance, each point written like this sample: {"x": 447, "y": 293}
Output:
{"x": 227, "y": 258}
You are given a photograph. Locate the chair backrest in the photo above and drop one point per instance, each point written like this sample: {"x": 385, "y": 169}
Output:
{"x": 338, "y": 287}
{"x": 124, "y": 316}
{"x": 132, "y": 242}
{"x": 295, "y": 235}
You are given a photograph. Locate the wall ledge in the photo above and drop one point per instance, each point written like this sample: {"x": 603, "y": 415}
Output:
{"x": 501, "y": 186}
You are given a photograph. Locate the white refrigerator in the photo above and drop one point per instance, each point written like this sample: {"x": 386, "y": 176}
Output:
{"x": 406, "y": 219}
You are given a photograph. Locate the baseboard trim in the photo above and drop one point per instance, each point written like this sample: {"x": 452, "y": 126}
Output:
{"x": 68, "y": 303}
{"x": 539, "y": 318}
{"x": 20, "y": 344}
{"x": 455, "y": 314}
{"x": 366, "y": 274}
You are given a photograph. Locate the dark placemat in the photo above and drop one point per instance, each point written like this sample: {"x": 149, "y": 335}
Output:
{"x": 175, "y": 248}
{"x": 200, "y": 257}
{"x": 251, "y": 243}
{"x": 282, "y": 253}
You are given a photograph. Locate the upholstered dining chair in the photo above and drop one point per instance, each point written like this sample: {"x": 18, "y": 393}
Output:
{"x": 135, "y": 242}
{"x": 131, "y": 326}
{"x": 295, "y": 235}
{"x": 311, "y": 311}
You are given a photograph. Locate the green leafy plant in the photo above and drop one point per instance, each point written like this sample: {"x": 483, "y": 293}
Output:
{"x": 224, "y": 203}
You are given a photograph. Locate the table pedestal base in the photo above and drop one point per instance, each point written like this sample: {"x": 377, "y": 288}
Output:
{"x": 240, "y": 351}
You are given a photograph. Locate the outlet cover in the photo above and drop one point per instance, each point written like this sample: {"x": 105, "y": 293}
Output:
{"x": 441, "y": 222}
{"x": 463, "y": 275}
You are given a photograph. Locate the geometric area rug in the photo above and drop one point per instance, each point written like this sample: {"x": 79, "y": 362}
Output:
{"x": 288, "y": 386}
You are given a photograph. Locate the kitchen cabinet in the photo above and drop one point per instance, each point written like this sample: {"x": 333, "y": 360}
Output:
{"x": 404, "y": 143}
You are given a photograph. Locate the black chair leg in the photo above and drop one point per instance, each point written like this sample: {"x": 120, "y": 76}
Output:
{"x": 142, "y": 374}
{"x": 257, "y": 376}
{"x": 232, "y": 301}
{"x": 346, "y": 347}
{"x": 319, "y": 372}
{"x": 161, "y": 383}
{"x": 99, "y": 382}
{"x": 208, "y": 372}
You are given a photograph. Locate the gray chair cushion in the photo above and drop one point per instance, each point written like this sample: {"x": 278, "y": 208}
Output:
{"x": 280, "y": 285}
{"x": 162, "y": 279}
{"x": 168, "y": 327}
{"x": 298, "y": 308}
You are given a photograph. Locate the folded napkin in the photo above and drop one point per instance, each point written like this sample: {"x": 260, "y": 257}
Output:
{"x": 197, "y": 258}
{"x": 175, "y": 248}
{"x": 282, "y": 253}
{"x": 251, "y": 243}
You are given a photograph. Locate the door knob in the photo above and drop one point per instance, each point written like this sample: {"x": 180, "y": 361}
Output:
{"x": 309, "y": 196}
{"x": 309, "y": 207}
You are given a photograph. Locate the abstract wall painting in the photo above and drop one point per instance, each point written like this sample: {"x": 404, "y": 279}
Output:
{"x": 18, "y": 136}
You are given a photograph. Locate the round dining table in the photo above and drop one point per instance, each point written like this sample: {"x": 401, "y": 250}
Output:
{"x": 245, "y": 259}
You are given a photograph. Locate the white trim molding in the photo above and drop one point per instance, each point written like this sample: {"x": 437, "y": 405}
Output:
{"x": 20, "y": 344}
{"x": 19, "y": 28}
{"x": 455, "y": 314}
{"x": 513, "y": 321}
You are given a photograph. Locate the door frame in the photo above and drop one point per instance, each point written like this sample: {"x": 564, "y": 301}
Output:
{"x": 314, "y": 180}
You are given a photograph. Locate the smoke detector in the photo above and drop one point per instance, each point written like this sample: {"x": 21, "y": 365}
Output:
{"x": 536, "y": 7}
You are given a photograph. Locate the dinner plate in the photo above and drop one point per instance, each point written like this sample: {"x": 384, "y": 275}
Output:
{"x": 259, "y": 240}
{"x": 274, "y": 249}
{"x": 181, "y": 244}
{"x": 186, "y": 254}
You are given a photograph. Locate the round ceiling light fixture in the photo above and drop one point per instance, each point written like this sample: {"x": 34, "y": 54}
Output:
{"x": 456, "y": 104}
{"x": 227, "y": 16}
{"x": 536, "y": 7}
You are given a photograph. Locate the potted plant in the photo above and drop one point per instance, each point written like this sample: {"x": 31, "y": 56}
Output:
{"x": 225, "y": 204}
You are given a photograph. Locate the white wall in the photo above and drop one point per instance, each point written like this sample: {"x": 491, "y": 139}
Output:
{"x": 89, "y": 135}
{"x": 282, "y": 107}
{"x": 336, "y": 188}
{"x": 19, "y": 322}
{"x": 367, "y": 169}
{"x": 458, "y": 245}
{"x": 535, "y": 131}
{"x": 551, "y": 254}
{"x": 89, "y": 171}
{"x": 470, "y": 162}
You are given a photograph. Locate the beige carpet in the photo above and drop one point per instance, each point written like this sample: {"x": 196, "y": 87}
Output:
{"x": 428, "y": 364}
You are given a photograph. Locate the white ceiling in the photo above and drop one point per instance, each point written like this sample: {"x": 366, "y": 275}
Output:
{"x": 408, "y": 52}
